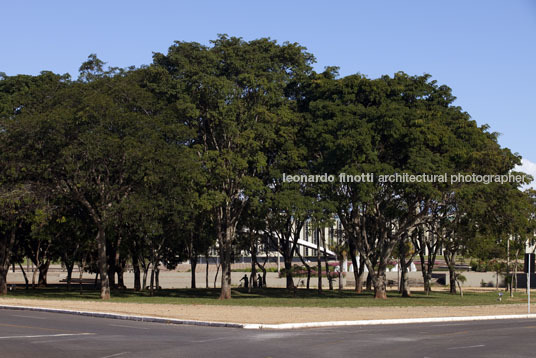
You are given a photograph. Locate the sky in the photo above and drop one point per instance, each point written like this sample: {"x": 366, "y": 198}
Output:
{"x": 484, "y": 50}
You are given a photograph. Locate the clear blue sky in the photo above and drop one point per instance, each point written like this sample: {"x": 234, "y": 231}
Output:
{"x": 484, "y": 50}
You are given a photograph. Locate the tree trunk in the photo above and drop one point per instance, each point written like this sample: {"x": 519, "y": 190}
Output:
{"x": 370, "y": 273}
{"x": 206, "y": 272}
{"x": 341, "y": 283}
{"x": 120, "y": 276}
{"x": 153, "y": 264}
{"x": 403, "y": 269}
{"x": 253, "y": 275}
{"x": 151, "y": 285}
{"x": 118, "y": 269}
{"x": 428, "y": 263}
{"x": 380, "y": 290}
{"x": 378, "y": 277}
{"x": 450, "y": 260}
{"x": 405, "y": 289}
{"x": 111, "y": 276}
{"x": 69, "y": 268}
{"x": 426, "y": 275}
{"x": 318, "y": 265}
{"x": 326, "y": 263}
{"x": 157, "y": 278}
{"x": 225, "y": 293}
{"x": 26, "y": 282}
{"x": 96, "y": 282}
{"x": 308, "y": 285}
{"x": 103, "y": 263}
{"x": 226, "y": 239}
{"x": 137, "y": 274}
{"x": 217, "y": 272}
{"x": 43, "y": 271}
{"x": 3, "y": 280}
{"x": 515, "y": 270}
{"x": 288, "y": 272}
{"x": 360, "y": 279}
{"x": 81, "y": 274}
{"x": 34, "y": 276}
{"x": 111, "y": 268}
{"x": 358, "y": 269}
{"x": 193, "y": 266}
{"x": 328, "y": 273}
{"x": 145, "y": 274}
{"x": 136, "y": 266}
{"x": 263, "y": 269}
{"x": 6, "y": 251}
{"x": 307, "y": 267}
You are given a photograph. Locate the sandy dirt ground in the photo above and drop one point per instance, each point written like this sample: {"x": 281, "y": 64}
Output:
{"x": 270, "y": 315}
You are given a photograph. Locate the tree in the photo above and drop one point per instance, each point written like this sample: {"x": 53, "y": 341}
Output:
{"x": 502, "y": 216}
{"x": 71, "y": 232}
{"x": 460, "y": 279}
{"x": 19, "y": 191}
{"x": 231, "y": 94}
{"x": 20, "y": 196}
{"x": 287, "y": 211}
{"x": 89, "y": 140}
{"x": 17, "y": 206}
{"x": 383, "y": 127}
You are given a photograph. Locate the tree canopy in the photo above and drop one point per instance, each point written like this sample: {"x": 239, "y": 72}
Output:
{"x": 156, "y": 165}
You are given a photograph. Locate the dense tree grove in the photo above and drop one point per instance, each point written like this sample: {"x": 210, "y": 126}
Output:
{"x": 157, "y": 165}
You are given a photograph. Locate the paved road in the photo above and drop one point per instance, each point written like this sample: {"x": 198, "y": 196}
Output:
{"x": 40, "y": 335}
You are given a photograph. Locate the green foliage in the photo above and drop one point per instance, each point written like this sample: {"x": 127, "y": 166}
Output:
{"x": 161, "y": 163}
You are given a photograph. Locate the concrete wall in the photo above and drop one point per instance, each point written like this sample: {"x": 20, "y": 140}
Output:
{"x": 474, "y": 279}
{"x": 174, "y": 279}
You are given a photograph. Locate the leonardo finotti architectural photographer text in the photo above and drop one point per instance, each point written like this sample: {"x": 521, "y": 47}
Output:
{"x": 404, "y": 178}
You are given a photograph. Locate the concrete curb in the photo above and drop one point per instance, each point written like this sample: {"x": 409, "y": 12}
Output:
{"x": 269, "y": 326}
{"x": 385, "y": 321}
{"x": 125, "y": 317}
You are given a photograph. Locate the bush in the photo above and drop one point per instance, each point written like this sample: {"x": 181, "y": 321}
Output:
{"x": 301, "y": 271}
{"x": 480, "y": 266}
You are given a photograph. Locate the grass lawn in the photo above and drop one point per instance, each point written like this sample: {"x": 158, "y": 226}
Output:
{"x": 276, "y": 297}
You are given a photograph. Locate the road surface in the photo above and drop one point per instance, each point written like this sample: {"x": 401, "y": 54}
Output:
{"x": 40, "y": 335}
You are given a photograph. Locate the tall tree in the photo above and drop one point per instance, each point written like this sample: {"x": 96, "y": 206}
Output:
{"x": 232, "y": 93}
{"x": 389, "y": 126}
{"x": 20, "y": 192}
{"x": 89, "y": 140}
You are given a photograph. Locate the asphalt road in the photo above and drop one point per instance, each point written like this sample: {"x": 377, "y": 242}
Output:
{"x": 40, "y": 335}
